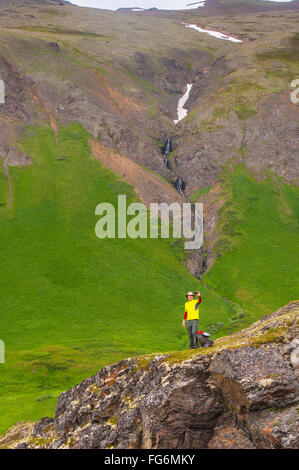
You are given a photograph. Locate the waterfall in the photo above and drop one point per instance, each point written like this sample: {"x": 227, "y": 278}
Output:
{"x": 180, "y": 186}
{"x": 204, "y": 262}
{"x": 166, "y": 150}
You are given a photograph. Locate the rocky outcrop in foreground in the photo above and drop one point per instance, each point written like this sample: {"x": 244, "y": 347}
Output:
{"x": 240, "y": 393}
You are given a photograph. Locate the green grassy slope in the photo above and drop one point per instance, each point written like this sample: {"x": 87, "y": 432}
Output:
{"x": 71, "y": 303}
{"x": 259, "y": 245}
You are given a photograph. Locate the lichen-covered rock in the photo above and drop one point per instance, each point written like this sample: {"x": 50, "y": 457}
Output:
{"x": 228, "y": 434}
{"x": 240, "y": 393}
{"x": 294, "y": 357}
{"x": 255, "y": 378}
{"x": 17, "y": 436}
{"x": 271, "y": 428}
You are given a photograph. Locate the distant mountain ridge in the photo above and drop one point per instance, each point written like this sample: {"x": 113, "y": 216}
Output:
{"x": 228, "y": 7}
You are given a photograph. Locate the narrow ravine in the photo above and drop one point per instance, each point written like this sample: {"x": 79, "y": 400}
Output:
{"x": 179, "y": 185}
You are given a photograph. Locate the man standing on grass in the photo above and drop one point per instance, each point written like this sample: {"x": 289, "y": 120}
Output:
{"x": 192, "y": 316}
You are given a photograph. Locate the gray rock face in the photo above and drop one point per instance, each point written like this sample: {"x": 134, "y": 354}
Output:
{"x": 294, "y": 358}
{"x": 261, "y": 377}
{"x": 240, "y": 393}
{"x": 268, "y": 140}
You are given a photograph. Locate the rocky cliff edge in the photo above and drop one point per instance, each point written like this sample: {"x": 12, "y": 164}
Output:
{"x": 240, "y": 393}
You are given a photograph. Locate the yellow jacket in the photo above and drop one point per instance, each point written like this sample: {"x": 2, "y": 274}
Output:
{"x": 190, "y": 312}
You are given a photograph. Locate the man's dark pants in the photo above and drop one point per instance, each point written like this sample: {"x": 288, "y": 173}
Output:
{"x": 192, "y": 328}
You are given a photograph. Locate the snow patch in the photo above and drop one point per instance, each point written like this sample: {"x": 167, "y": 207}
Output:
{"x": 212, "y": 33}
{"x": 182, "y": 112}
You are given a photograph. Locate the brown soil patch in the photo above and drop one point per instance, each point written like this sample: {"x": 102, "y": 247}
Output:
{"x": 148, "y": 186}
{"x": 124, "y": 103}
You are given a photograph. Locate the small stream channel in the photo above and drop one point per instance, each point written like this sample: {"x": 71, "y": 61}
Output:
{"x": 179, "y": 185}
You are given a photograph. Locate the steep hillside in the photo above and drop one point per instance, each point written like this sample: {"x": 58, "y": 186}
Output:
{"x": 90, "y": 99}
{"x": 70, "y": 300}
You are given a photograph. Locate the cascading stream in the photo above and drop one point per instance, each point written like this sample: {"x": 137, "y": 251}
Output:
{"x": 179, "y": 185}
{"x": 166, "y": 150}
